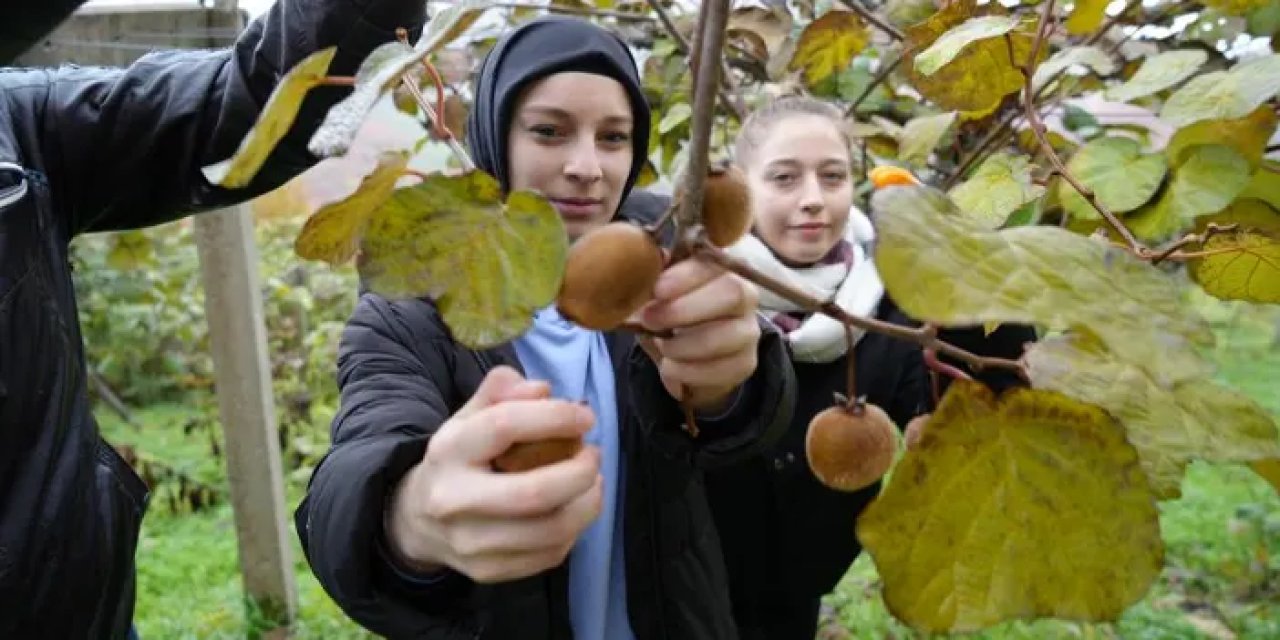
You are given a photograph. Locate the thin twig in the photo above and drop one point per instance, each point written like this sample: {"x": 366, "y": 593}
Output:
{"x": 937, "y": 366}
{"x": 874, "y": 19}
{"x": 879, "y": 79}
{"x": 925, "y": 336}
{"x": 338, "y": 81}
{"x": 736, "y": 108}
{"x": 1211, "y": 230}
{"x": 463, "y": 157}
{"x": 1038, "y": 129}
{"x": 994, "y": 135}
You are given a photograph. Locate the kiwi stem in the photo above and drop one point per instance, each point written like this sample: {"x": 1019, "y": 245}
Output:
{"x": 712, "y": 19}
{"x": 411, "y": 83}
{"x": 925, "y": 336}
{"x": 937, "y": 366}
{"x": 338, "y": 81}
{"x": 850, "y": 362}
{"x": 690, "y": 422}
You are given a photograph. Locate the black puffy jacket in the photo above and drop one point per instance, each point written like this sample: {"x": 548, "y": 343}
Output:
{"x": 93, "y": 149}
{"x": 401, "y": 377}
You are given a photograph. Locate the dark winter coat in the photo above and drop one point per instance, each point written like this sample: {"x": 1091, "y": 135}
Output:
{"x": 401, "y": 377}
{"x": 93, "y": 149}
{"x": 788, "y": 539}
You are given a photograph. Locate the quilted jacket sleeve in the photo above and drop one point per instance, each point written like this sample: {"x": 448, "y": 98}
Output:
{"x": 123, "y": 148}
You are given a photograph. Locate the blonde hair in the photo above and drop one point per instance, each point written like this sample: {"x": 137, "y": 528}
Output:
{"x": 762, "y": 120}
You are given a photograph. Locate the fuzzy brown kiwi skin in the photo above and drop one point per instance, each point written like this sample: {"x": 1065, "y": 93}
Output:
{"x": 609, "y": 275}
{"x": 915, "y": 429}
{"x": 726, "y": 204}
{"x": 523, "y": 456}
{"x": 850, "y": 448}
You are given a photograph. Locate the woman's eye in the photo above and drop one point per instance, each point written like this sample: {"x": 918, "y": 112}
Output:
{"x": 543, "y": 130}
{"x": 782, "y": 178}
{"x": 617, "y": 137}
{"x": 835, "y": 177}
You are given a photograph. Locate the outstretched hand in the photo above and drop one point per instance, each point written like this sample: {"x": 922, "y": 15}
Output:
{"x": 712, "y": 313}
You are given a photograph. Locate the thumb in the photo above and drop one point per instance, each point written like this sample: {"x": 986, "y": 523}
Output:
{"x": 500, "y": 384}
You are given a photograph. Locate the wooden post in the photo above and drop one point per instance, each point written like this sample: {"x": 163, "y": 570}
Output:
{"x": 118, "y": 35}
{"x": 237, "y": 335}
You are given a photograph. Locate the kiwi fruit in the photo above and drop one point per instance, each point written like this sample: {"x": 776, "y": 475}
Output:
{"x": 915, "y": 429}
{"x": 609, "y": 275}
{"x": 726, "y": 204}
{"x": 523, "y": 456}
{"x": 850, "y": 446}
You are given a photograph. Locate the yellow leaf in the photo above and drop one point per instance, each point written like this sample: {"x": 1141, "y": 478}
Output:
{"x": 1248, "y": 265}
{"x": 1029, "y": 506}
{"x": 1269, "y": 469}
{"x": 828, "y": 44}
{"x": 979, "y": 76}
{"x": 941, "y": 266}
{"x": 1237, "y": 7}
{"x": 1170, "y": 425}
{"x": 1087, "y": 16}
{"x": 1247, "y": 135}
{"x": 333, "y": 233}
{"x": 921, "y": 135}
{"x": 130, "y": 250}
{"x": 273, "y": 122}
{"x": 487, "y": 264}
{"x": 949, "y": 45}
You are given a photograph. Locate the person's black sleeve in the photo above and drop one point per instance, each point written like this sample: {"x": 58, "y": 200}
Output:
{"x": 393, "y": 376}
{"x": 124, "y": 148}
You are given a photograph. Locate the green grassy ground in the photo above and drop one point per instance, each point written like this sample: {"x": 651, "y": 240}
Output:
{"x": 1222, "y": 578}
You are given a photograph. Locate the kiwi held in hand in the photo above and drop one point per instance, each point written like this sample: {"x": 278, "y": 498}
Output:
{"x": 726, "y": 204}
{"x": 609, "y": 275}
{"x": 850, "y": 446}
{"x": 523, "y": 456}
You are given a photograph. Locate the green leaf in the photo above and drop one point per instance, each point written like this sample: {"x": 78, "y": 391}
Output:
{"x": 1170, "y": 425}
{"x": 1158, "y": 73}
{"x": 1265, "y": 184}
{"x": 1087, "y": 16}
{"x": 942, "y": 267}
{"x": 1247, "y": 135}
{"x": 1210, "y": 177}
{"x": 273, "y": 122}
{"x": 1225, "y": 95}
{"x": 1237, "y": 7}
{"x": 960, "y": 534}
{"x": 921, "y": 135}
{"x": 130, "y": 250}
{"x": 1076, "y": 119}
{"x": 828, "y": 44}
{"x": 1245, "y": 264}
{"x": 488, "y": 265}
{"x": 333, "y": 233}
{"x": 1120, "y": 175}
{"x": 1091, "y": 57}
{"x": 382, "y": 71}
{"x": 1001, "y": 185}
{"x": 676, "y": 115}
{"x": 948, "y": 46}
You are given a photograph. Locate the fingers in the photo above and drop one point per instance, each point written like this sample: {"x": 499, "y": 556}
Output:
{"x": 499, "y": 382}
{"x": 484, "y": 434}
{"x": 725, "y": 296}
{"x": 710, "y": 340}
{"x": 718, "y": 373}
{"x": 535, "y": 492}
{"x": 683, "y": 277}
{"x": 555, "y": 531}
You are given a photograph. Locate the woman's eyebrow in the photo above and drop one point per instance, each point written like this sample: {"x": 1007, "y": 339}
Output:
{"x": 557, "y": 112}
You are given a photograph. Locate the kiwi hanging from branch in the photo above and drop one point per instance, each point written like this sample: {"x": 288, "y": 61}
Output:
{"x": 850, "y": 445}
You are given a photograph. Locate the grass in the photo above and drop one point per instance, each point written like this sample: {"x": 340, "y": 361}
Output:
{"x": 1222, "y": 575}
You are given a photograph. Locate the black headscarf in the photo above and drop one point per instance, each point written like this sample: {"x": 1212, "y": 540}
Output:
{"x": 534, "y": 50}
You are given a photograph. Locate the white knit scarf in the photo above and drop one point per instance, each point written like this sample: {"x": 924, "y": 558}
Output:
{"x": 847, "y": 276}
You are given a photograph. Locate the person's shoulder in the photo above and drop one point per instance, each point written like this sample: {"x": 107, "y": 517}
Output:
{"x": 644, "y": 206}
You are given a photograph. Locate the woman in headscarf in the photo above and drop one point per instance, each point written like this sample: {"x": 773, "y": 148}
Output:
{"x": 405, "y": 523}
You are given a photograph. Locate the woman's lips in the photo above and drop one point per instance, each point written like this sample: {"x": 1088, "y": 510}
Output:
{"x": 575, "y": 208}
{"x": 811, "y": 231}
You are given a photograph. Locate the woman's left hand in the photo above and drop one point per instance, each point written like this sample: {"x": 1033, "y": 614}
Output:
{"x": 712, "y": 313}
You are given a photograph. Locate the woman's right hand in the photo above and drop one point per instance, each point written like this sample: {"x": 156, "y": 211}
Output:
{"x": 453, "y": 509}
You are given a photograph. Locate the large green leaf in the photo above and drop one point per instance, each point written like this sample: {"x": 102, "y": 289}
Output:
{"x": 1000, "y": 185}
{"x": 381, "y": 72}
{"x": 1158, "y": 73}
{"x": 489, "y": 265}
{"x": 1247, "y": 135}
{"x": 943, "y": 267}
{"x": 1121, "y": 176}
{"x": 948, "y": 46}
{"x": 1244, "y": 264}
{"x": 1209, "y": 178}
{"x": 921, "y": 135}
{"x": 1031, "y": 505}
{"x": 1171, "y": 425}
{"x": 1225, "y": 95}
{"x": 273, "y": 122}
{"x": 1265, "y": 184}
{"x": 1091, "y": 57}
